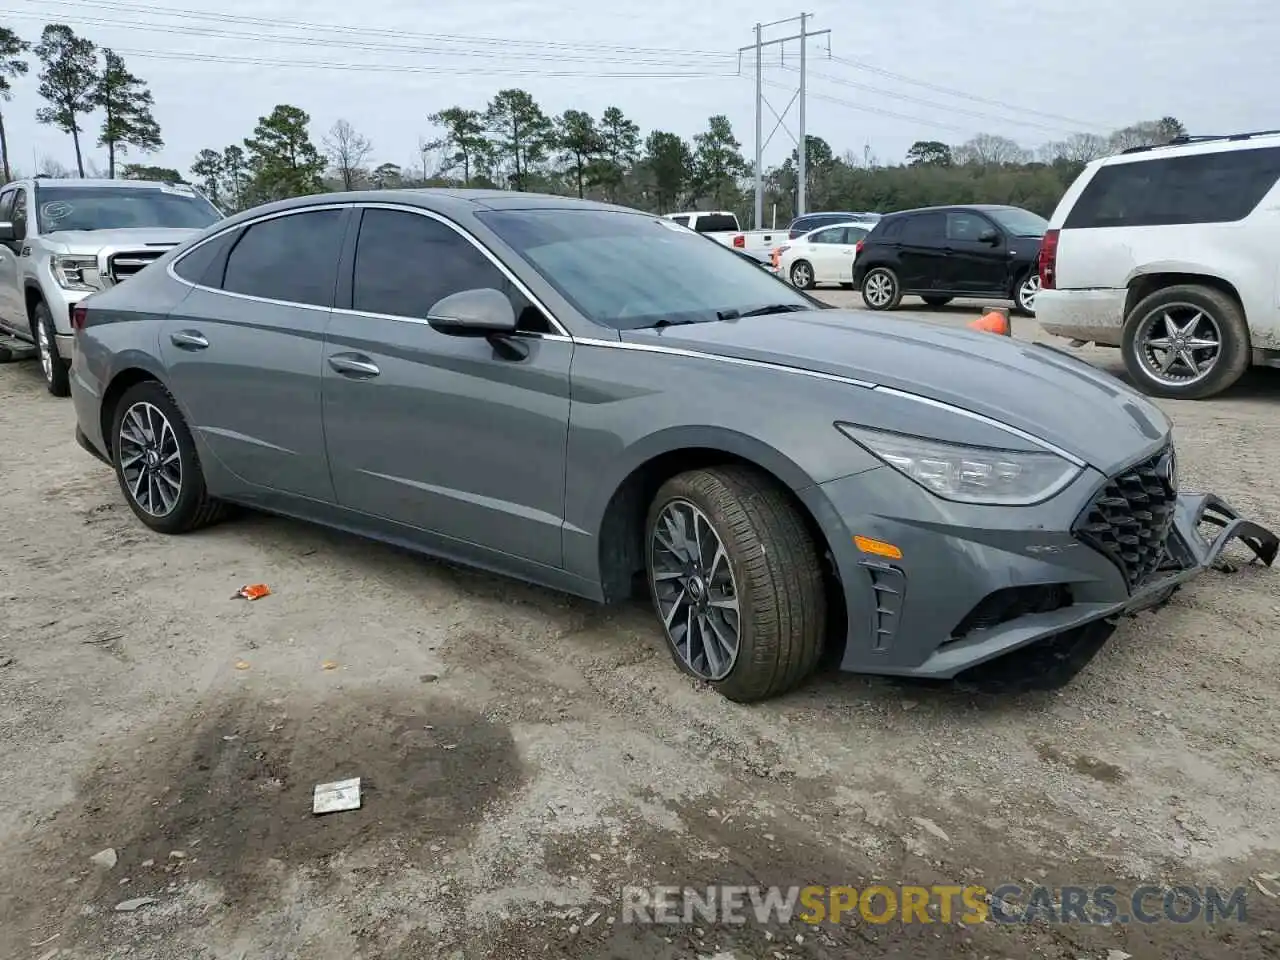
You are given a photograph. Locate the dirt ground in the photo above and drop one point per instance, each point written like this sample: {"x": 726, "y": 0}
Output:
{"x": 525, "y": 755}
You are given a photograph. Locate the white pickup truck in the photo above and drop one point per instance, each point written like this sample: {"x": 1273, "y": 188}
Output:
{"x": 722, "y": 226}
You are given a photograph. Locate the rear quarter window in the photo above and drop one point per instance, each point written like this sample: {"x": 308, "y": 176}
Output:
{"x": 887, "y": 230}
{"x": 1203, "y": 188}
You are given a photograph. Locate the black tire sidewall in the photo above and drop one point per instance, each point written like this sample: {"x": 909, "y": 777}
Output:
{"x": 191, "y": 497}
{"x": 893, "y": 278}
{"x": 1232, "y": 361}
{"x": 58, "y": 382}
{"x": 792, "y": 273}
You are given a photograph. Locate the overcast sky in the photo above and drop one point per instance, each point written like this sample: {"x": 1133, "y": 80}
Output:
{"x": 1032, "y": 70}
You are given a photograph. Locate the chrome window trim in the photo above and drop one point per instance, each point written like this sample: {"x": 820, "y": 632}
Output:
{"x": 561, "y": 332}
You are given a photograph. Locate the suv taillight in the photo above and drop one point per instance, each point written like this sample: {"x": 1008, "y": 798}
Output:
{"x": 739, "y": 241}
{"x": 858, "y": 246}
{"x": 79, "y": 315}
{"x": 1049, "y": 260}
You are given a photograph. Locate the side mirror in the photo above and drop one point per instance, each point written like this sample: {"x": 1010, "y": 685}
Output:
{"x": 990, "y": 236}
{"x": 479, "y": 312}
{"x": 7, "y": 234}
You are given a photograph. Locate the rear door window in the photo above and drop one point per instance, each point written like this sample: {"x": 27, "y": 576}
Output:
{"x": 293, "y": 258}
{"x": 924, "y": 230}
{"x": 1201, "y": 188}
{"x": 829, "y": 235}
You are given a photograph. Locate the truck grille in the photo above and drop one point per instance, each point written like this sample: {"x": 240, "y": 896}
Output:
{"x": 122, "y": 266}
{"x": 1129, "y": 519}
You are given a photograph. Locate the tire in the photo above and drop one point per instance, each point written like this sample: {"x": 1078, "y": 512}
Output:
{"x": 801, "y": 274}
{"x": 936, "y": 301}
{"x": 57, "y": 373}
{"x": 776, "y": 571}
{"x": 192, "y": 507}
{"x": 1025, "y": 289}
{"x": 846, "y": 286}
{"x": 880, "y": 289}
{"x": 1222, "y": 320}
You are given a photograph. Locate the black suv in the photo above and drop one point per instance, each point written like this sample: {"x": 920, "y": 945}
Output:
{"x": 939, "y": 253}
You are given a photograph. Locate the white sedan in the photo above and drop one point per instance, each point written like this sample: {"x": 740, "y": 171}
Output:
{"x": 824, "y": 255}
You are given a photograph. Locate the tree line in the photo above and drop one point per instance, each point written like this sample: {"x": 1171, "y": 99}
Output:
{"x": 512, "y": 142}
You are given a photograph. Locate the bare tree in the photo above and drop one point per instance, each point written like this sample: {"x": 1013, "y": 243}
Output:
{"x": 348, "y": 151}
{"x": 1077, "y": 148}
{"x": 989, "y": 150}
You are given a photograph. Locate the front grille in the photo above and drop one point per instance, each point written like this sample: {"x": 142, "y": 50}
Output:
{"x": 1130, "y": 518}
{"x": 121, "y": 266}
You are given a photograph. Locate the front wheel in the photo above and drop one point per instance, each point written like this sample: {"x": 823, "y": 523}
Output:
{"x": 1186, "y": 342}
{"x": 157, "y": 464}
{"x": 57, "y": 377}
{"x": 880, "y": 290}
{"x": 737, "y": 582}
{"x": 1024, "y": 294}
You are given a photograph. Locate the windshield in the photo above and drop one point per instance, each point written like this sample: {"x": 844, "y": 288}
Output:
{"x": 112, "y": 208}
{"x": 1021, "y": 223}
{"x": 631, "y": 270}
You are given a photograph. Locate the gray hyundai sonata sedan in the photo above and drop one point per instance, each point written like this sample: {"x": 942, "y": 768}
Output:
{"x": 591, "y": 398}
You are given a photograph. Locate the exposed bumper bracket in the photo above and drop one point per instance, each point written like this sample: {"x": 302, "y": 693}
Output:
{"x": 1195, "y": 509}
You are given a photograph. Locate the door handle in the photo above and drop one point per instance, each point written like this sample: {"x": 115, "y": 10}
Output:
{"x": 354, "y": 365}
{"x": 189, "y": 340}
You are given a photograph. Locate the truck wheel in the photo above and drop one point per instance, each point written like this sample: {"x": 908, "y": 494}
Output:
{"x": 802, "y": 275}
{"x": 880, "y": 289}
{"x": 736, "y": 580}
{"x": 1186, "y": 342}
{"x": 56, "y": 375}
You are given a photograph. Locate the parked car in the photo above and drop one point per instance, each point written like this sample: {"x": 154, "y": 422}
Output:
{"x": 939, "y": 253}
{"x": 812, "y": 221}
{"x": 1172, "y": 254}
{"x": 825, "y": 255}
{"x": 583, "y": 396}
{"x": 85, "y": 235}
{"x": 723, "y": 226}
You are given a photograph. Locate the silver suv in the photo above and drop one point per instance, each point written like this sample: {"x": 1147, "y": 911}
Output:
{"x": 85, "y": 235}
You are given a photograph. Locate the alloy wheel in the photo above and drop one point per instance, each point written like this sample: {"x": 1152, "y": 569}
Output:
{"x": 800, "y": 276}
{"x": 1028, "y": 291}
{"x": 46, "y": 351}
{"x": 150, "y": 459}
{"x": 1178, "y": 344}
{"x": 696, "y": 593}
{"x": 878, "y": 289}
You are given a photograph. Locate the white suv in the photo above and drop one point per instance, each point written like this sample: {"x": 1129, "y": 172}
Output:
{"x": 1171, "y": 253}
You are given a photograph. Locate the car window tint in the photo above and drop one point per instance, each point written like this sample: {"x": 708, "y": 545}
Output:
{"x": 888, "y": 229}
{"x": 292, "y": 258}
{"x": 204, "y": 264}
{"x": 923, "y": 228}
{"x": 406, "y": 262}
{"x": 965, "y": 227}
{"x": 854, "y": 234}
{"x": 20, "y": 215}
{"x": 683, "y": 221}
{"x": 830, "y": 235}
{"x": 1202, "y": 188}
{"x": 6, "y": 205}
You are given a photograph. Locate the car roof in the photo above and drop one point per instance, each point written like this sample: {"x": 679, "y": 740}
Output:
{"x": 77, "y": 183}
{"x": 1194, "y": 146}
{"x": 953, "y": 207}
{"x": 860, "y": 224}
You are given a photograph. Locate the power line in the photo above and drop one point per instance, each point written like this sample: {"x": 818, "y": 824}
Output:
{"x": 953, "y": 92}
{"x": 863, "y": 108}
{"x": 882, "y": 92}
{"x": 348, "y": 30}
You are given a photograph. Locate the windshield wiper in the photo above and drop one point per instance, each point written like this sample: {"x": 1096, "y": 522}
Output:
{"x": 774, "y": 308}
{"x": 668, "y": 322}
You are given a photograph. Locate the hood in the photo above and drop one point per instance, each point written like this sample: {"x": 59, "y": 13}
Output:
{"x": 1037, "y": 389}
{"x": 91, "y": 241}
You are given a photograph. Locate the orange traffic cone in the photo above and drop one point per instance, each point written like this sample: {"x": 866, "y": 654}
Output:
{"x": 993, "y": 321}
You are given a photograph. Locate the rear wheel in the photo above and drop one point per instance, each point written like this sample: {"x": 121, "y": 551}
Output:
{"x": 737, "y": 581}
{"x": 1187, "y": 342}
{"x": 936, "y": 301}
{"x": 157, "y": 464}
{"x": 802, "y": 275}
{"x": 1024, "y": 294}
{"x": 880, "y": 290}
{"x": 57, "y": 377}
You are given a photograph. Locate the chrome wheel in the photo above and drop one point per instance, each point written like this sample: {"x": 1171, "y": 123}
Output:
{"x": 696, "y": 594}
{"x": 1027, "y": 293}
{"x": 46, "y": 350}
{"x": 801, "y": 275}
{"x": 150, "y": 459}
{"x": 1178, "y": 344}
{"x": 878, "y": 289}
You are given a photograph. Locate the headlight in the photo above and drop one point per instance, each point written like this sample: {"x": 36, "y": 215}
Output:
{"x": 982, "y": 475}
{"x": 77, "y": 273}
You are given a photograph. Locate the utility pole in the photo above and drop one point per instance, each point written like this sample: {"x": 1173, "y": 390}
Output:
{"x": 762, "y": 101}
